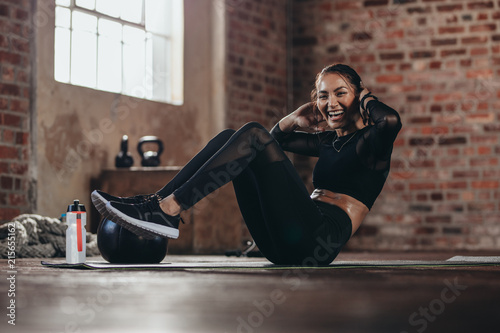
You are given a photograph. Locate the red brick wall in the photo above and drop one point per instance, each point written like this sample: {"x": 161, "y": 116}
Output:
{"x": 438, "y": 63}
{"x": 15, "y": 90}
{"x": 256, "y": 61}
{"x": 256, "y": 68}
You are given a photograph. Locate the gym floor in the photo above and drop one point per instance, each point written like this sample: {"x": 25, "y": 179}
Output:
{"x": 379, "y": 299}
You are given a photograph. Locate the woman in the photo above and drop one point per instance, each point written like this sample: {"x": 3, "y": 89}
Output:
{"x": 353, "y": 138}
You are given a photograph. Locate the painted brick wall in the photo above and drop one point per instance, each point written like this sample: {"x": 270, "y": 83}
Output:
{"x": 438, "y": 63}
{"x": 15, "y": 90}
{"x": 256, "y": 61}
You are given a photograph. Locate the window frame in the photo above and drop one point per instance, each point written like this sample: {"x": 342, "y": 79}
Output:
{"x": 174, "y": 41}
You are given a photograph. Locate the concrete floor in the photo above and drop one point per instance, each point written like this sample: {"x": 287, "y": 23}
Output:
{"x": 450, "y": 299}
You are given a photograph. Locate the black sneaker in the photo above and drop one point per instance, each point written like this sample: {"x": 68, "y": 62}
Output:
{"x": 100, "y": 199}
{"x": 145, "y": 219}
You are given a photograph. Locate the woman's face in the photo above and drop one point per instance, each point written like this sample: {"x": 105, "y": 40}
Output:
{"x": 337, "y": 101}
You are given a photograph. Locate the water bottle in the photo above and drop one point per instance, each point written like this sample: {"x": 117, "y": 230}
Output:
{"x": 76, "y": 218}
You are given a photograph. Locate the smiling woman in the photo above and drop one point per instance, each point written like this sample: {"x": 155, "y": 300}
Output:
{"x": 337, "y": 94}
{"x": 338, "y": 104}
{"x": 354, "y": 140}
{"x": 289, "y": 225}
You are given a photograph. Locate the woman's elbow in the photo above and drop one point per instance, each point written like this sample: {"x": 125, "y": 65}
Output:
{"x": 393, "y": 122}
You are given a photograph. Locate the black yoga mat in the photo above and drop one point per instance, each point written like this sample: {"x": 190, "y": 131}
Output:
{"x": 457, "y": 261}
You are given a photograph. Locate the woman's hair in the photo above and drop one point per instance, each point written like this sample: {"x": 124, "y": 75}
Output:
{"x": 346, "y": 72}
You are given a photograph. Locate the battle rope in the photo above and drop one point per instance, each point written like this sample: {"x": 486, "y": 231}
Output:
{"x": 37, "y": 236}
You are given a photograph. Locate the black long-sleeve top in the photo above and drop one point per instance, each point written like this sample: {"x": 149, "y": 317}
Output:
{"x": 361, "y": 166}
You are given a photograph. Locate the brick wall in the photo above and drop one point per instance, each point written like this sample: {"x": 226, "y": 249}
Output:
{"x": 15, "y": 90}
{"x": 438, "y": 63}
{"x": 256, "y": 68}
{"x": 256, "y": 61}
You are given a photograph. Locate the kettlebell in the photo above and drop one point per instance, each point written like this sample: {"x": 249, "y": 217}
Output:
{"x": 150, "y": 158}
{"x": 118, "y": 245}
{"x": 124, "y": 159}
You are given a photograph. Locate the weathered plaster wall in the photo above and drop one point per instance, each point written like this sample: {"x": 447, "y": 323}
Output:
{"x": 79, "y": 129}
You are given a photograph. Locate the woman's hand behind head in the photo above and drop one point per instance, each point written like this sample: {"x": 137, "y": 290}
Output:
{"x": 308, "y": 117}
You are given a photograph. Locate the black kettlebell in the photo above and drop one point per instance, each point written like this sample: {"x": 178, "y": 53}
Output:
{"x": 124, "y": 159}
{"x": 118, "y": 245}
{"x": 150, "y": 158}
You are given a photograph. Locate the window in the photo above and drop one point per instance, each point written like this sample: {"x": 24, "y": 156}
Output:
{"x": 132, "y": 47}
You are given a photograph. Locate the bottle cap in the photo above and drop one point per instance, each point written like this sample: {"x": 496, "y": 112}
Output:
{"x": 76, "y": 207}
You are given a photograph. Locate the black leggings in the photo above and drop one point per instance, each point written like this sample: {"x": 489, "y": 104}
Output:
{"x": 287, "y": 226}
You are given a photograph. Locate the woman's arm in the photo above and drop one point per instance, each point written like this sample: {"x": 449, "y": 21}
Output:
{"x": 285, "y": 131}
{"x": 375, "y": 147}
{"x": 386, "y": 121}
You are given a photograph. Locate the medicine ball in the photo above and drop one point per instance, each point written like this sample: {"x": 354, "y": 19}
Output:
{"x": 118, "y": 245}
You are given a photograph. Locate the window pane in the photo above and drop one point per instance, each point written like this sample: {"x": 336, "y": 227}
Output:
{"x": 133, "y": 35}
{"x": 157, "y": 67}
{"x": 113, "y": 55}
{"x": 132, "y": 10}
{"x": 110, "y": 29}
{"x": 109, "y": 75}
{"x": 156, "y": 12}
{"x": 89, "y": 4}
{"x": 63, "y": 18}
{"x": 61, "y": 55}
{"x": 109, "y": 7}
{"x": 83, "y": 58}
{"x": 149, "y": 66}
{"x": 176, "y": 65}
{"x": 65, "y": 3}
{"x": 134, "y": 62}
{"x": 84, "y": 22}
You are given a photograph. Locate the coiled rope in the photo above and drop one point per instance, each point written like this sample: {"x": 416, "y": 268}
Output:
{"x": 36, "y": 236}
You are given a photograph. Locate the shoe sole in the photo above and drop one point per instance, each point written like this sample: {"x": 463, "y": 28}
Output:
{"x": 100, "y": 204}
{"x": 147, "y": 230}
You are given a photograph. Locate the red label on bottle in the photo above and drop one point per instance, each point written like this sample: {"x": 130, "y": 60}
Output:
{"x": 79, "y": 232}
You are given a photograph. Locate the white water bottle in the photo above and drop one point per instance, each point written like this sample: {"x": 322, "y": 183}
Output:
{"x": 76, "y": 235}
